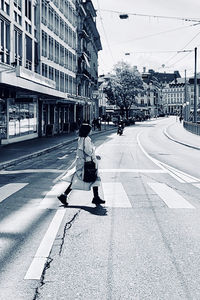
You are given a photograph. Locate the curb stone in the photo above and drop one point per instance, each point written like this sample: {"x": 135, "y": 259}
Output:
{"x": 179, "y": 142}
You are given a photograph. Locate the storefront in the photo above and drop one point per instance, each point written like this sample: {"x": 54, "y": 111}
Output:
{"x": 18, "y": 119}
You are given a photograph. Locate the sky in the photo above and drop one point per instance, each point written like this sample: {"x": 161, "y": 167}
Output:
{"x": 152, "y": 42}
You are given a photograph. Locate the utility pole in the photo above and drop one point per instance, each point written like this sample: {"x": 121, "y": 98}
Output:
{"x": 185, "y": 101}
{"x": 195, "y": 85}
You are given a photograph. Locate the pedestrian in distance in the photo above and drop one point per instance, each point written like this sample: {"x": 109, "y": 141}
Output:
{"x": 94, "y": 122}
{"x": 75, "y": 175}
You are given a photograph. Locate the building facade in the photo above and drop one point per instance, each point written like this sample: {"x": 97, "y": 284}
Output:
{"x": 39, "y": 50}
{"x": 174, "y": 97}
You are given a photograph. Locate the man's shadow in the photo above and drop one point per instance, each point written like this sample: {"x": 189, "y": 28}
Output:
{"x": 98, "y": 210}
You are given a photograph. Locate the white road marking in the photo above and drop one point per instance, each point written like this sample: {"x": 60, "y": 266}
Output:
{"x": 115, "y": 195}
{"x": 63, "y": 157}
{"x": 184, "y": 176}
{"x": 9, "y": 189}
{"x": 50, "y": 200}
{"x": 3, "y": 172}
{"x": 36, "y": 268}
{"x": 132, "y": 171}
{"x": 169, "y": 196}
{"x": 197, "y": 185}
{"x": 177, "y": 174}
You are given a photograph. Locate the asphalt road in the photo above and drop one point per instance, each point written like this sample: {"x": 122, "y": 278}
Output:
{"x": 143, "y": 244}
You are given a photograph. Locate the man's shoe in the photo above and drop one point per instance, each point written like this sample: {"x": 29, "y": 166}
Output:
{"x": 63, "y": 199}
{"x": 98, "y": 201}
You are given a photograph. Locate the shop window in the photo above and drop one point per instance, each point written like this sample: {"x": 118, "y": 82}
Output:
{"x": 3, "y": 120}
{"x": 22, "y": 117}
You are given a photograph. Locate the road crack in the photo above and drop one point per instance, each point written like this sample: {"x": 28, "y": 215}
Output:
{"x": 46, "y": 267}
{"x": 68, "y": 225}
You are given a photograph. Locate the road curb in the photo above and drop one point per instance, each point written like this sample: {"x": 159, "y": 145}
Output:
{"x": 15, "y": 161}
{"x": 179, "y": 142}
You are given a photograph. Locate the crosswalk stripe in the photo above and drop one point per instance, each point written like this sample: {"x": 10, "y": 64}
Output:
{"x": 27, "y": 171}
{"x": 36, "y": 268}
{"x": 115, "y": 195}
{"x": 50, "y": 200}
{"x": 9, "y": 189}
{"x": 169, "y": 196}
{"x": 132, "y": 171}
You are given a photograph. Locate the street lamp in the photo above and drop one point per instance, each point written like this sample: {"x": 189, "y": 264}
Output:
{"x": 123, "y": 16}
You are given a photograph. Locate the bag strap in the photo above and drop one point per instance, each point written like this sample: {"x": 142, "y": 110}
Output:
{"x": 85, "y": 154}
{"x": 84, "y": 149}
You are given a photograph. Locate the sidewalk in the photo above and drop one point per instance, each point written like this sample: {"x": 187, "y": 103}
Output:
{"x": 17, "y": 152}
{"x": 177, "y": 133}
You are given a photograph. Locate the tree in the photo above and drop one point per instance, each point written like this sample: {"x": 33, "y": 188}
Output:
{"x": 123, "y": 87}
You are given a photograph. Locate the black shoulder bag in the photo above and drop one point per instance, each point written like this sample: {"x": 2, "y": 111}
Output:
{"x": 90, "y": 171}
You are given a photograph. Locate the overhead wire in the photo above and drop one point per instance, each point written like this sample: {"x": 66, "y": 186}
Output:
{"x": 158, "y": 33}
{"x": 182, "y": 49}
{"x": 186, "y": 19}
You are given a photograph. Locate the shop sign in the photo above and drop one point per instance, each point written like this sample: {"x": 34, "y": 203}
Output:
{"x": 37, "y": 78}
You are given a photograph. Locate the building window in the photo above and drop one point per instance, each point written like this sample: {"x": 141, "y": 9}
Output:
{"x": 51, "y": 73}
{"x": 74, "y": 86}
{"x": 44, "y": 70}
{"x": 44, "y": 12}
{"x": 36, "y": 57}
{"x": 66, "y": 83}
{"x": 62, "y": 55}
{"x": 57, "y": 79}
{"x": 56, "y": 24}
{"x": 62, "y": 28}
{"x": 56, "y": 52}
{"x": 18, "y": 46}
{"x": 51, "y": 16}
{"x": 66, "y": 58}
{"x": 5, "y": 41}
{"x": 44, "y": 43}
{"x": 5, "y": 6}
{"x": 62, "y": 88}
{"x": 28, "y": 8}
{"x": 18, "y": 4}
{"x": 70, "y": 62}
{"x": 28, "y": 52}
{"x": 66, "y": 33}
{"x": 51, "y": 46}
{"x": 70, "y": 85}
